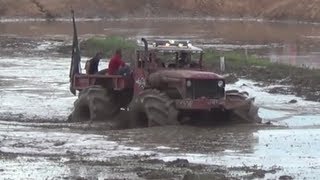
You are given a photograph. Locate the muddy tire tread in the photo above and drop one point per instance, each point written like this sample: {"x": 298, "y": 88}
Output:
{"x": 100, "y": 105}
{"x": 158, "y": 108}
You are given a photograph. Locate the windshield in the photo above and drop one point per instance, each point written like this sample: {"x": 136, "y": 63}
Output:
{"x": 179, "y": 59}
{"x": 169, "y": 54}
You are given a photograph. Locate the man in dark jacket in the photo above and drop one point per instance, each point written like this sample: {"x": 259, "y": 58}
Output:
{"x": 92, "y": 64}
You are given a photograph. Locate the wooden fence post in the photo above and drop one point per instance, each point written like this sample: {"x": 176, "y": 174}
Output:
{"x": 222, "y": 64}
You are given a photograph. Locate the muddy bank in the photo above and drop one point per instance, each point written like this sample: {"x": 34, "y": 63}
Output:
{"x": 29, "y": 46}
{"x": 306, "y": 10}
{"x": 301, "y": 82}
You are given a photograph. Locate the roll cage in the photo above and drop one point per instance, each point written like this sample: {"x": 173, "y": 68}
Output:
{"x": 168, "y": 54}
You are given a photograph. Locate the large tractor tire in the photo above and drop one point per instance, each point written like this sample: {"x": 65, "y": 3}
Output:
{"x": 94, "y": 104}
{"x": 247, "y": 112}
{"x": 152, "y": 108}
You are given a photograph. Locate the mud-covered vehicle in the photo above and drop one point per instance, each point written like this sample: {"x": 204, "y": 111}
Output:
{"x": 168, "y": 86}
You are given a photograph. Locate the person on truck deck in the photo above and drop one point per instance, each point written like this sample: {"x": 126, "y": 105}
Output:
{"x": 92, "y": 64}
{"x": 117, "y": 65}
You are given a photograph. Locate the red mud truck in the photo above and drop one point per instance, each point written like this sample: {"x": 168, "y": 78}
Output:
{"x": 168, "y": 86}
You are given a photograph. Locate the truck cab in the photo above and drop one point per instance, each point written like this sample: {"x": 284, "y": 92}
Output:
{"x": 175, "y": 67}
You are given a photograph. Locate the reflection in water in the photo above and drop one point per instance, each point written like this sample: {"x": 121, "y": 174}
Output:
{"x": 296, "y": 55}
{"x": 189, "y": 139}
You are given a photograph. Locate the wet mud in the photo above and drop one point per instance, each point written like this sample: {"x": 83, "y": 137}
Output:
{"x": 90, "y": 153}
{"x": 288, "y": 81}
{"x": 37, "y": 142}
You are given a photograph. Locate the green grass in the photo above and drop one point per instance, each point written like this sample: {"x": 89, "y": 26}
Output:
{"x": 108, "y": 45}
{"x": 233, "y": 59}
{"x": 243, "y": 65}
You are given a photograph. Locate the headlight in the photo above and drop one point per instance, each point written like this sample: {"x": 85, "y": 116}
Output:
{"x": 220, "y": 83}
{"x": 189, "y": 83}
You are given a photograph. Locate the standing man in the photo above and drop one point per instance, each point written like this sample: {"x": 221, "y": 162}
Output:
{"x": 92, "y": 64}
{"x": 116, "y": 65}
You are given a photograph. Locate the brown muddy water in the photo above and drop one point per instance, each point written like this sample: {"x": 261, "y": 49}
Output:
{"x": 36, "y": 142}
{"x": 291, "y": 43}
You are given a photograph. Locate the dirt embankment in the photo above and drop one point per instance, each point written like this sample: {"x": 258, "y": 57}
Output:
{"x": 307, "y": 10}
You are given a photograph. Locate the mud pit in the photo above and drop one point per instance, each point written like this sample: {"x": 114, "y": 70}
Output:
{"x": 37, "y": 143}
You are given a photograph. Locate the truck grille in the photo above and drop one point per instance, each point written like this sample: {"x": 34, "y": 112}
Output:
{"x": 205, "y": 88}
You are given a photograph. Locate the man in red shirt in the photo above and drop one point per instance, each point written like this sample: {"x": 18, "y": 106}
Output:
{"x": 116, "y": 63}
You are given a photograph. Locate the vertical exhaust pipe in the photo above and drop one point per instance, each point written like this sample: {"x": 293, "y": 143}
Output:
{"x": 145, "y": 42}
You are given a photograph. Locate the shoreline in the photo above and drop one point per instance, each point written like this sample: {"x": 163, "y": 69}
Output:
{"x": 157, "y": 18}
